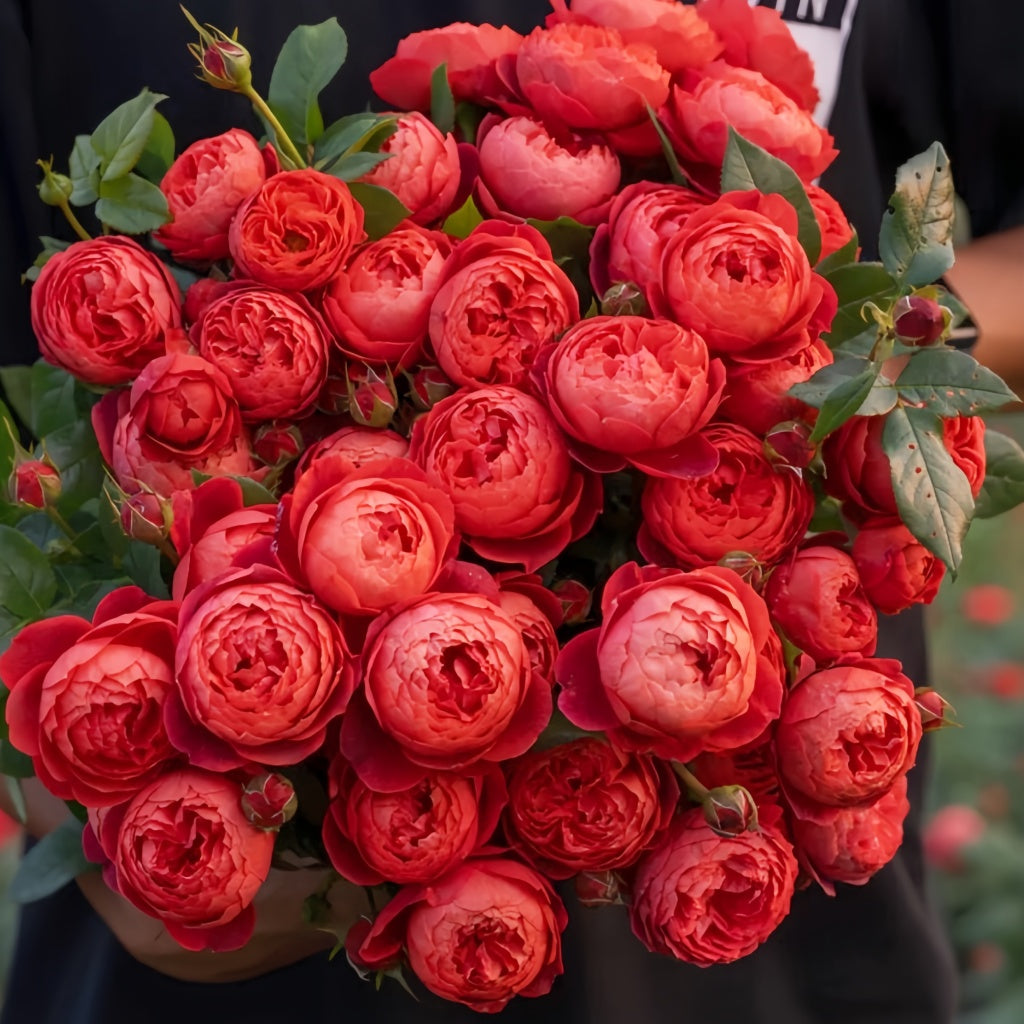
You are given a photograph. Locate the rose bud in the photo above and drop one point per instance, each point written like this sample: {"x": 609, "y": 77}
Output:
{"x": 145, "y": 517}
{"x": 223, "y": 62}
{"x": 787, "y": 444}
{"x": 576, "y": 600}
{"x": 624, "y": 299}
{"x": 372, "y": 400}
{"x": 936, "y": 711}
{"x": 269, "y": 800}
{"x": 601, "y": 889}
{"x": 896, "y": 570}
{"x": 919, "y": 321}
{"x": 35, "y": 483}
{"x": 277, "y": 443}
{"x": 54, "y": 189}
{"x": 730, "y": 811}
{"x": 427, "y": 386}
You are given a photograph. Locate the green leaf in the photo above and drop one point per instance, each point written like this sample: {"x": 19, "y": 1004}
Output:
{"x": 951, "y": 383}
{"x": 121, "y": 136}
{"x": 932, "y": 493}
{"x": 8, "y": 444}
{"x": 13, "y": 762}
{"x": 840, "y": 258}
{"x": 570, "y": 245}
{"x": 17, "y": 796}
{"x": 142, "y": 564}
{"x": 27, "y": 583}
{"x": 75, "y": 453}
{"x": 384, "y": 210}
{"x": 678, "y": 177}
{"x": 843, "y": 402}
{"x": 253, "y": 492}
{"x": 158, "y": 154}
{"x": 442, "y": 102}
{"x": 53, "y": 400}
{"x": 132, "y": 205}
{"x": 461, "y": 223}
{"x": 53, "y": 862}
{"x": 353, "y": 133}
{"x": 1003, "y": 488}
{"x": 916, "y": 240}
{"x": 822, "y": 383}
{"x": 747, "y": 166}
{"x": 84, "y": 171}
{"x": 16, "y": 383}
{"x": 355, "y": 165}
{"x": 311, "y": 56}
{"x": 468, "y": 117}
{"x": 855, "y": 285}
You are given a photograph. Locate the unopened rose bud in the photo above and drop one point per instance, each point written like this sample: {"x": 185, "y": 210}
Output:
{"x": 936, "y": 711}
{"x": 601, "y": 889}
{"x": 919, "y": 321}
{"x": 34, "y": 483}
{"x": 277, "y": 444}
{"x": 427, "y": 386}
{"x": 269, "y": 800}
{"x": 624, "y": 299}
{"x": 744, "y": 565}
{"x": 54, "y": 189}
{"x": 730, "y": 810}
{"x": 372, "y": 398}
{"x": 146, "y": 517}
{"x": 787, "y": 444}
{"x": 223, "y": 62}
{"x": 576, "y": 600}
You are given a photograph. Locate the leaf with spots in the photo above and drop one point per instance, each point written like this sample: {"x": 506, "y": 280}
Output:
{"x": 951, "y": 383}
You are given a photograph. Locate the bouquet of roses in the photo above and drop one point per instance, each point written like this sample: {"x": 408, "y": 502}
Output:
{"x": 493, "y": 493}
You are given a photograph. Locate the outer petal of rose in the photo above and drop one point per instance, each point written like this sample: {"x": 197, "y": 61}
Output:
{"x": 126, "y": 600}
{"x": 526, "y": 724}
{"x": 201, "y": 746}
{"x": 694, "y": 456}
{"x": 23, "y": 711}
{"x": 492, "y": 796}
{"x": 40, "y": 643}
{"x": 765, "y": 706}
{"x": 378, "y": 759}
{"x": 583, "y": 699}
{"x": 345, "y": 857}
{"x": 383, "y": 945}
{"x": 460, "y": 577}
{"x": 218, "y": 939}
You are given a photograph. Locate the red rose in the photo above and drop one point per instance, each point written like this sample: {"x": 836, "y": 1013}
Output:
{"x": 179, "y": 416}
{"x": 487, "y": 931}
{"x": 296, "y": 231}
{"x": 272, "y": 346}
{"x": 681, "y": 663}
{"x": 379, "y": 304}
{"x": 527, "y": 171}
{"x": 835, "y": 229}
{"x": 737, "y": 276}
{"x": 586, "y": 806}
{"x": 364, "y": 539}
{"x": 261, "y": 669}
{"x": 204, "y": 187}
{"x": 358, "y": 445}
{"x": 34, "y": 482}
{"x": 634, "y": 388}
{"x": 86, "y": 699}
{"x": 817, "y": 599}
{"x": 182, "y": 851}
{"x": 503, "y": 298}
{"x": 964, "y": 439}
{"x": 413, "y": 835}
{"x": 746, "y": 504}
{"x": 896, "y": 570}
{"x": 102, "y": 309}
{"x": 751, "y": 766}
{"x": 537, "y": 612}
{"x": 846, "y": 734}
{"x": 501, "y": 458}
{"x": 470, "y": 52}
{"x": 710, "y": 899}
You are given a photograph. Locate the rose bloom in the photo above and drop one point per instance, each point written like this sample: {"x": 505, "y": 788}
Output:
{"x": 851, "y": 844}
{"x": 179, "y": 416}
{"x": 422, "y": 169}
{"x": 296, "y": 231}
{"x": 709, "y": 899}
{"x": 846, "y": 734}
{"x": 737, "y": 275}
{"x": 746, "y": 504}
{"x": 585, "y": 77}
{"x": 485, "y": 932}
{"x": 86, "y": 698}
{"x": 528, "y": 171}
{"x": 537, "y": 612}
{"x": 470, "y": 53}
{"x": 964, "y": 439}
{"x": 680, "y": 37}
{"x": 586, "y": 806}
{"x": 680, "y": 663}
{"x": 261, "y": 671}
{"x": 835, "y": 229}
{"x": 896, "y": 570}
{"x": 358, "y": 445}
{"x": 751, "y": 766}
{"x": 102, "y": 309}
{"x": 817, "y": 600}
{"x": 499, "y": 455}
{"x": 502, "y": 300}
{"x": 413, "y": 835}
{"x": 204, "y": 187}
{"x": 642, "y": 217}
{"x": 364, "y": 539}
{"x": 273, "y": 346}
{"x": 378, "y": 305}
{"x": 635, "y": 387}
{"x": 447, "y": 683}
{"x": 183, "y": 852}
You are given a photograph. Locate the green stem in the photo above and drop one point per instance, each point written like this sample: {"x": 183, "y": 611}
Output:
{"x": 76, "y": 224}
{"x": 65, "y": 528}
{"x": 282, "y": 136}
{"x": 694, "y": 787}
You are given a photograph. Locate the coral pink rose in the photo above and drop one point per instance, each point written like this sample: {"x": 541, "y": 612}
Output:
{"x": 261, "y": 670}
{"x": 896, "y": 570}
{"x": 296, "y": 231}
{"x": 358, "y": 445}
{"x": 485, "y": 932}
{"x": 835, "y": 228}
{"x": 103, "y": 309}
{"x": 586, "y": 806}
{"x": 183, "y": 852}
{"x": 500, "y": 456}
{"x": 204, "y": 187}
{"x": 964, "y": 438}
{"x": 537, "y": 612}
{"x": 688, "y": 888}
{"x": 86, "y": 698}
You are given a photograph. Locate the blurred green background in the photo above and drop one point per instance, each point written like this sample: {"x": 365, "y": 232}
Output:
{"x": 976, "y": 830}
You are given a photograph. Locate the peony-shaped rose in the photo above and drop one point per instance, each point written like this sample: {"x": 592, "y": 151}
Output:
{"x": 896, "y": 570}
{"x": 537, "y": 612}
{"x": 296, "y": 231}
{"x": 964, "y": 438}
{"x": 413, "y": 835}
{"x": 710, "y": 899}
{"x": 500, "y": 456}
{"x": 358, "y": 445}
{"x": 86, "y": 698}
{"x": 261, "y": 670}
{"x": 102, "y": 309}
{"x": 836, "y": 230}
{"x": 271, "y": 345}
{"x": 586, "y": 806}
{"x": 182, "y": 851}
{"x": 487, "y": 931}
{"x": 746, "y": 504}
{"x": 204, "y": 187}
